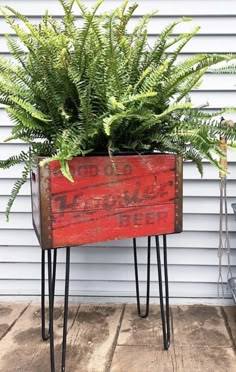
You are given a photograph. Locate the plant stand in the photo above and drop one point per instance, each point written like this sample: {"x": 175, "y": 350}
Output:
{"x": 137, "y": 196}
{"x": 52, "y": 264}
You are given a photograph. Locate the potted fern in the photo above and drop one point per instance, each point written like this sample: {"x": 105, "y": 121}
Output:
{"x": 107, "y": 119}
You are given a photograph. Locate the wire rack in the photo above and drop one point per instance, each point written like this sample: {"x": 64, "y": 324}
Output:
{"x": 232, "y": 281}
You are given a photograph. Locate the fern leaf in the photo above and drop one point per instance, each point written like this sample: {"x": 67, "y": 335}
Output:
{"x": 174, "y": 107}
{"x": 30, "y": 109}
{"x": 19, "y": 183}
{"x": 65, "y": 170}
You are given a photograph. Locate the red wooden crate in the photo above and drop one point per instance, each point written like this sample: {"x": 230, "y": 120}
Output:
{"x": 135, "y": 196}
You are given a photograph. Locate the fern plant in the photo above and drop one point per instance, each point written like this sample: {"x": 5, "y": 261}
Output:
{"x": 74, "y": 90}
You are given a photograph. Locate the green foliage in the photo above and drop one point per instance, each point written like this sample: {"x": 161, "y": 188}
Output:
{"x": 73, "y": 90}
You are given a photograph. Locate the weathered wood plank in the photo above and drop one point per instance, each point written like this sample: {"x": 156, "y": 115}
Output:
{"x": 230, "y": 312}
{"x": 100, "y": 169}
{"x": 9, "y": 314}
{"x": 199, "y": 325}
{"x": 142, "y": 358}
{"x": 22, "y": 349}
{"x": 106, "y": 194}
{"x": 199, "y": 359}
{"x": 88, "y": 227}
{"x": 181, "y": 359}
{"x": 137, "y": 331}
{"x": 90, "y": 341}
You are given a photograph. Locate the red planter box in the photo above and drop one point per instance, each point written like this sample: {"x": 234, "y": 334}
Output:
{"x": 143, "y": 196}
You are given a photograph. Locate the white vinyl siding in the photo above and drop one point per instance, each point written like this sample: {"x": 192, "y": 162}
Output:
{"x": 106, "y": 269}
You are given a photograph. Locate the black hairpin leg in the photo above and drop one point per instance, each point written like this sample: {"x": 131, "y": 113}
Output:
{"x": 165, "y": 312}
{"x": 67, "y": 281}
{"x": 144, "y": 315}
{"x": 51, "y": 291}
{"x": 45, "y": 336}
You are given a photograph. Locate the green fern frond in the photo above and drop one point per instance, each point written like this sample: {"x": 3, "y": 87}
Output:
{"x": 174, "y": 107}
{"x": 13, "y": 160}
{"x": 162, "y": 42}
{"x": 30, "y": 109}
{"x": 182, "y": 40}
{"x": 65, "y": 170}
{"x": 29, "y": 162}
{"x": 194, "y": 155}
{"x": 25, "y": 120}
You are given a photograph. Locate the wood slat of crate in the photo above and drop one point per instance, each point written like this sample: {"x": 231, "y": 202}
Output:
{"x": 133, "y": 196}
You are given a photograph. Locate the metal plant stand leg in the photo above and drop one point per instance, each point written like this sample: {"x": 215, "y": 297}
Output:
{"x": 67, "y": 281}
{"x": 45, "y": 336}
{"x": 51, "y": 291}
{"x": 165, "y": 311}
{"x": 145, "y": 314}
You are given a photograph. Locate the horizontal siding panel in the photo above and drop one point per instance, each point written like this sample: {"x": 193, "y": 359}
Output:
{"x": 7, "y": 185}
{"x": 219, "y": 82}
{"x": 17, "y": 221}
{"x": 12, "y": 149}
{"x": 206, "y": 222}
{"x": 4, "y": 119}
{"x": 110, "y": 289}
{"x": 209, "y": 26}
{"x": 166, "y": 7}
{"x": 207, "y": 188}
{"x": 5, "y": 132}
{"x": 197, "y": 222}
{"x": 207, "y": 205}
{"x": 209, "y": 171}
{"x": 19, "y": 237}
{"x": 13, "y": 172}
{"x": 22, "y": 204}
{"x": 215, "y": 99}
{"x": 206, "y": 44}
{"x": 187, "y": 239}
{"x": 114, "y": 272}
{"x": 110, "y": 255}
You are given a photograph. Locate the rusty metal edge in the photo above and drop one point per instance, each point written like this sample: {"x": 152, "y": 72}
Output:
{"x": 45, "y": 206}
{"x": 179, "y": 194}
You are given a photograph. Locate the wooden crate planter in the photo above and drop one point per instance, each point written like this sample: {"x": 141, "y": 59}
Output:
{"x": 142, "y": 197}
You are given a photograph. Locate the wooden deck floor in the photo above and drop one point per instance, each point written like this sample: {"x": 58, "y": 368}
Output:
{"x": 111, "y": 338}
